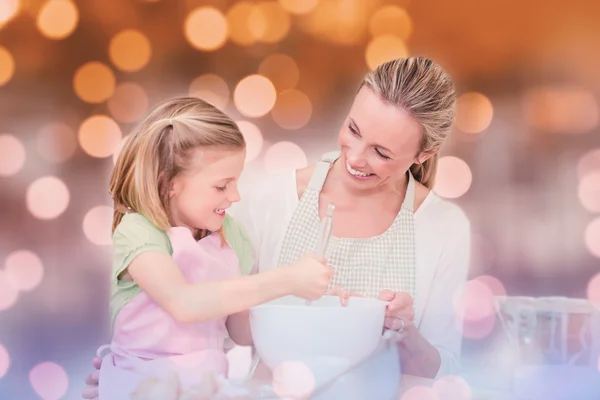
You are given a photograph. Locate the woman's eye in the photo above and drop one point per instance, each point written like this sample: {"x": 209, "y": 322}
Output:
{"x": 382, "y": 155}
{"x": 221, "y": 188}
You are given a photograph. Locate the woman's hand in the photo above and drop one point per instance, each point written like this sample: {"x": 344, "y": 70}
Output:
{"x": 400, "y": 314}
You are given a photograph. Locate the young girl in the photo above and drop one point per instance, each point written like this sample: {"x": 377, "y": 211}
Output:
{"x": 176, "y": 289}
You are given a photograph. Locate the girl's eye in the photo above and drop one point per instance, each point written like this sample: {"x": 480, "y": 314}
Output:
{"x": 220, "y": 188}
{"x": 353, "y": 130}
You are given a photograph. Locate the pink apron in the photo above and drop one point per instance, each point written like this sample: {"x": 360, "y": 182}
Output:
{"x": 148, "y": 342}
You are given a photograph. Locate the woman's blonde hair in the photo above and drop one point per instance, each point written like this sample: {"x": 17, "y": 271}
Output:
{"x": 159, "y": 149}
{"x": 422, "y": 88}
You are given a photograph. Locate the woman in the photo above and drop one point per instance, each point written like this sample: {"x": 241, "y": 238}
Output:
{"x": 393, "y": 238}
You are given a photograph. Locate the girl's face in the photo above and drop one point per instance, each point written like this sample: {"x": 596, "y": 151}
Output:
{"x": 201, "y": 193}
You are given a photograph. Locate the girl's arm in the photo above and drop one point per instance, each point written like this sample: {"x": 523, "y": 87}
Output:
{"x": 158, "y": 276}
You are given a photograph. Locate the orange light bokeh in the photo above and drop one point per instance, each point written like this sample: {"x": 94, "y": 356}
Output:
{"x": 392, "y": 20}
{"x": 130, "y": 50}
{"x": 298, "y": 7}
{"x": 7, "y": 66}
{"x": 99, "y": 136}
{"x": 94, "y": 82}
{"x": 474, "y": 112}
{"x": 58, "y": 19}
{"x": 384, "y": 48}
{"x": 254, "y": 96}
{"x": 206, "y": 28}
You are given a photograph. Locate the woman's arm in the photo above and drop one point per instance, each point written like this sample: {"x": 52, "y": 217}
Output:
{"x": 158, "y": 276}
{"x": 434, "y": 349}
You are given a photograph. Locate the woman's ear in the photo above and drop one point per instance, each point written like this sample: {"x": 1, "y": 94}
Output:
{"x": 424, "y": 156}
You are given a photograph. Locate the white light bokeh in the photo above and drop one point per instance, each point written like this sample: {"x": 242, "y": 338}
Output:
{"x": 453, "y": 177}
{"x": 47, "y": 197}
{"x": 8, "y": 292}
{"x": 49, "y": 380}
{"x": 284, "y": 156}
{"x": 254, "y": 139}
{"x": 12, "y": 155}
{"x": 97, "y": 225}
{"x": 24, "y": 269}
{"x": 4, "y": 361}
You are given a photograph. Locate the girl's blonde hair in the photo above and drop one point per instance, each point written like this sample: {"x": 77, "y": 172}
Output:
{"x": 159, "y": 149}
{"x": 422, "y": 88}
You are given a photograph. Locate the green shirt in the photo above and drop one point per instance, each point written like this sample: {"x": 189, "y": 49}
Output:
{"x": 136, "y": 235}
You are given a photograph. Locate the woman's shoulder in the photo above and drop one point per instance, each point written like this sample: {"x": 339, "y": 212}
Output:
{"x": 443, "y": 214}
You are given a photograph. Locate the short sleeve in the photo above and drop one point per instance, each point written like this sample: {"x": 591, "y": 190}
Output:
{"x": 241, "y": 244}
{"x": 133, "y": 236}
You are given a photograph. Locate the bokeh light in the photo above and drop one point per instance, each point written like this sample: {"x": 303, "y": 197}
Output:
{"x": 97, "y": 225}
{"x": 478, "y": 328}
{"x": 420, "y": 393}
{"x": 384, "y": 48}
{"x": 561, "y": 109}
{"x": 292, "y": 110}
{"x": 8, "y": 9}
{"x": 453, "y": 178}
{"x": 494, "y": 284}
{"x": 7, "y": 66}
{"x": 8, "y": 293}
{"x": 239, "y": 360}
{"x": 391, "y": 20}
{"x": 269, "y": 22}
{"x": 298, "y": 7}
{"x": 24, "y": 269}
{"x": 474, "y": 301}
{"x": 589, "y": 191}
{"x": 593, "y": 289}
{"x": 12, "y": 155}
{"x": 238, "y": 21}
{"x": 94, "y": 82}
{"x": 293, "y": 379}
{"x": 474, "y": 112}
{"x": 129, "y": 103}
{"x": 99, "y": 136}
{"x": 57, "y": 19}
{"x": 284, "y": 156}
{"x": 56, "y": 142}
{"x": 339, "y": 22}
{"x": 281, "y": 70}
{"x": 130, "y": 50}
{"x": 47, "y": 197}
{"x": 254, "y": 139}
{"x": 589, "y": 162}
{"x": 49, "y": 380}
{"x": 4, "y": 361}
{"x": 211, "y": 88}
{"x": 592, "y": 237}
{"x": 452, "y": 387}
{"x": 254, "y": 96}
{"x": 206, "y": 28}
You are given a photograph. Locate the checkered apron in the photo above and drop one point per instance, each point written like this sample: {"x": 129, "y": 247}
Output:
{"x": 362, "y": 265}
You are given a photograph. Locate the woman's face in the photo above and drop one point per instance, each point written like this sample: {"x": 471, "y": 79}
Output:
{"x": 378, "y": 142}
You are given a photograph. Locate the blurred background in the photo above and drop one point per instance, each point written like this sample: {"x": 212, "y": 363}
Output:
{"x": 523, "y": 160}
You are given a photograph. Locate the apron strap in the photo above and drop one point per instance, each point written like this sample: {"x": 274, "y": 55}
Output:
{"x": 317, "y": 180}
{"x": 409, "y": 197}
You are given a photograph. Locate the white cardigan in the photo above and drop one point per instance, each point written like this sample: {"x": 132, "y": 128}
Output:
{"x": 443, "y": 250}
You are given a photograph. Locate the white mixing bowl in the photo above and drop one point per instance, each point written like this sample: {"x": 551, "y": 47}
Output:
{"x": 325, "y": 336}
